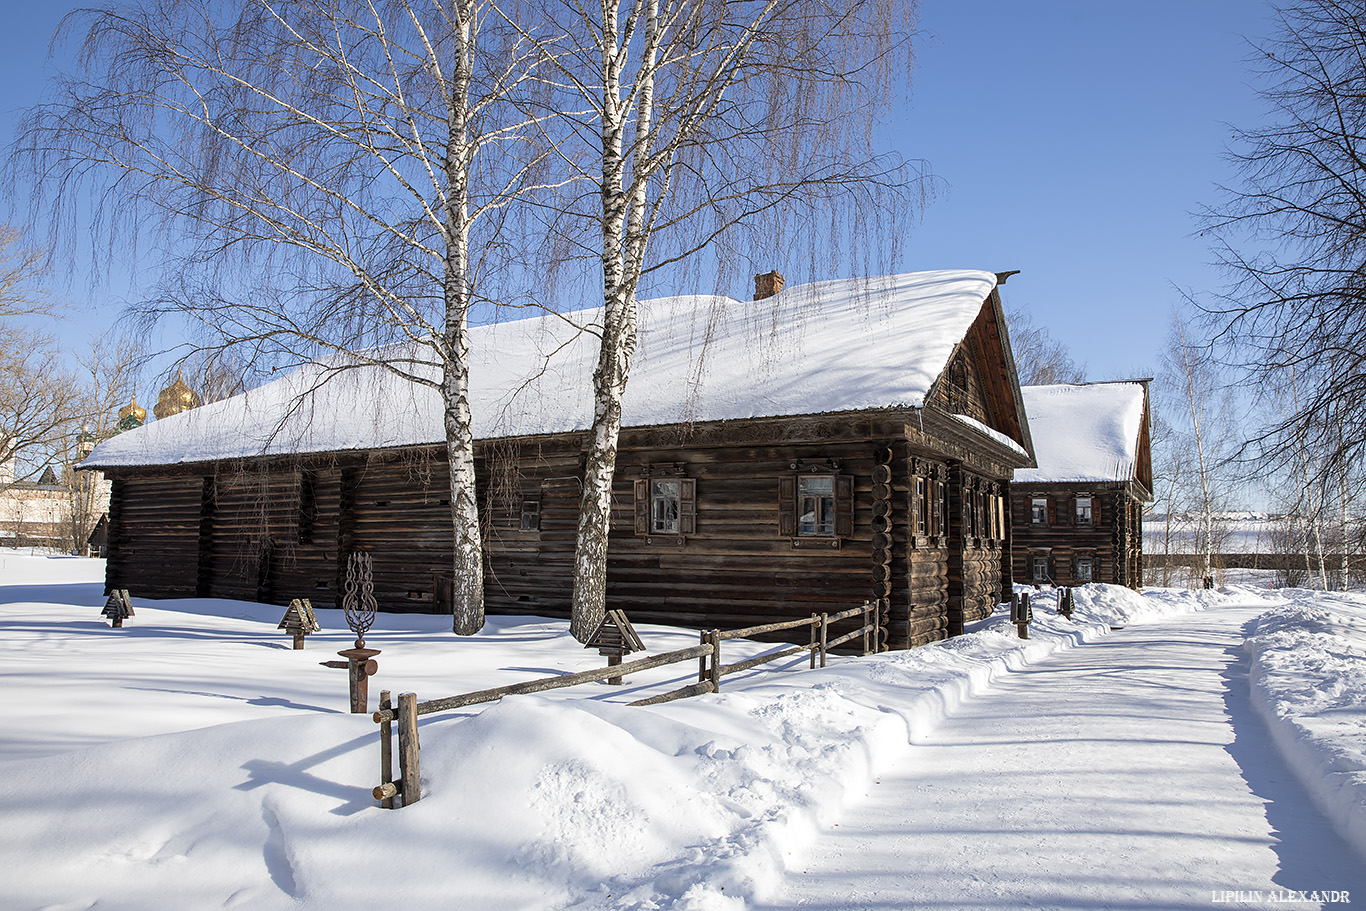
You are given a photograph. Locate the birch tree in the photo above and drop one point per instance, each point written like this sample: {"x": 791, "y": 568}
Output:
{"x": 329, "y": 177}
{"x": 1204, "y": 409}
{"x": 721, "y": 128}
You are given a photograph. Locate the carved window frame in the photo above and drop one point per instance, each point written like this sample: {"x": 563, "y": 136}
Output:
{"x": 842, "y": 506}
{"x": 647, "y": 494}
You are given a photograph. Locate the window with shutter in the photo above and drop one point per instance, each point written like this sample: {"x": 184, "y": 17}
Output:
{"x": 816, "y": 506}
{"x": 922, "y": 507}
{"x": 665, "y": 509}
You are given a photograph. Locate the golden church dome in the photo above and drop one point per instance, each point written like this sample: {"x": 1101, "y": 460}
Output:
{"x": 133, "y": 410}
{"x": 176, "y": 398}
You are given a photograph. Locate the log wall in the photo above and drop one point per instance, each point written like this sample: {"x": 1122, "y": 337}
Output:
{"x": 1113, "y": 540}
{"x": 282, "y": 531}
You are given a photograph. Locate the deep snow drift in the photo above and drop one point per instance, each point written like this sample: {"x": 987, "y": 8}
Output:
{"x": 253, "y": 789}
{"x": 1309, "y": 683}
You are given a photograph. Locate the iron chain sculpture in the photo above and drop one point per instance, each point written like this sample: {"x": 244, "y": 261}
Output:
{"x": 358, "y": 602}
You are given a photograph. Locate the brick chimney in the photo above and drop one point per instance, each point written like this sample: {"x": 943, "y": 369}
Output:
{"x": 767, "y": 285}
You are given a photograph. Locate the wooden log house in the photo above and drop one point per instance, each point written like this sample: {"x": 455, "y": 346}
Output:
{"x": 1078, "y": 515}
{"x": 803, "y": 452}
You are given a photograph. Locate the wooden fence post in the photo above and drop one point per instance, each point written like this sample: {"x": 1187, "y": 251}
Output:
{"x": 825, "y": 630}
{"x": 386, "y": 750}
{"x": 714, "y": 637}
{"x": 408, "y": 769}
{"x": 702, "y": 659}
{"x": 867, "y": 623}
{"x": 815, "y": 622}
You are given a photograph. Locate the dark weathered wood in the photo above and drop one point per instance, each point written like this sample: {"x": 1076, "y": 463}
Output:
{"x": 714, "y": 669}
{"x": 386, "y": 754}
{"x": 765, "y": 658}
{"x": 542, "y": 684}
{"x": 695, "y": 689}
{"x": 410, "y": 774}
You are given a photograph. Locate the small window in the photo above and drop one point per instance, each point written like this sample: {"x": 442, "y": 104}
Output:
{"x": 1083, "y": 569}
{"x": 942, "y": 513}
{"x": 1040, "y": 569}
{"x": 531, "y": 515}
{"x": 1038, "y": 511}
{"x": 922, "y": 507}
{"x": 1083, "y": 510}
{"x": 816, "y": 506}
{"x": 666, "y": 507}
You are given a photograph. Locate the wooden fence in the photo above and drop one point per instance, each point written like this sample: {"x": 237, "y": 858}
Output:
{"x": 710, "y": 670}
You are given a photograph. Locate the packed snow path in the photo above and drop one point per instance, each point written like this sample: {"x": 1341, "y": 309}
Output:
{"x": 1131, "y": 773}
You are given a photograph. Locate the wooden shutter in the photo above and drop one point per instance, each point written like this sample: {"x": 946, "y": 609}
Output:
{"x": 844, "y": 506}
{"x": 1051, "y": 509}
{"x": 787, "y": 506}
{"x": 687, "y": 506}
{"x": 642, "y": 507}
{"x": 1095, "y": 515}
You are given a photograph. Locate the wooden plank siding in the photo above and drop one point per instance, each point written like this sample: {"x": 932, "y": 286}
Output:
{"x": 1113, "y": 540}
{"x": 282, "y": 530}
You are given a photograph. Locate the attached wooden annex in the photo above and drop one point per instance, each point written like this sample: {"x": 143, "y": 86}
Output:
{"x": 1078, "y": 516}
{"x": 833, "y": 443}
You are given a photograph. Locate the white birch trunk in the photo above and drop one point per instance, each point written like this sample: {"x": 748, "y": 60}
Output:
{"x": 1346, "y": 575}
{"x": 624, "y": 240}
{"x": 467, "y": 605}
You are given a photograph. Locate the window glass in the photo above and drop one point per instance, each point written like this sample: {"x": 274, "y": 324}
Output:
{"x": 1083, "y": 510}
{"x": 922, "y": 501}
{"x": 531, "y": 515}
{"x": 1084, "y": 569}
{"x": 816, "y": 505}
{"x": 942, "y": 514}
{"x": 1038, "y": 512}
{"x": 664, "y": 507}
{"x": 1040, "y": 569}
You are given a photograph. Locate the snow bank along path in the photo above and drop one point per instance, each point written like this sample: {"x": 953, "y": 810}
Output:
{"x": 1132, "y": 773}
{"x": 1309, "y": 684}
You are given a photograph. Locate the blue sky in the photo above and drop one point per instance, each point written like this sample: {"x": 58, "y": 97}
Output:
{"x": 1073, "y": 140}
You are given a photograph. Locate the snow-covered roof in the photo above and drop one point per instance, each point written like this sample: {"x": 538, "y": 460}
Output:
{"x": 834, "y": 346}
{"x": 1085, "y": 432}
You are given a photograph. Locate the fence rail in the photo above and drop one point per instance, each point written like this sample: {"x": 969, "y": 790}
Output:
{"x": 404, "y": 715}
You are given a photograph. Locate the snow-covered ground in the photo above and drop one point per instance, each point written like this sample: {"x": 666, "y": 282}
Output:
{"x": 1309, "y": 684}
{"x": 193, "y": 760}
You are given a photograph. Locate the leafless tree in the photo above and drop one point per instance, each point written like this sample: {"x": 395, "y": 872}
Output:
{"x": 109, "y": 373}
{"x": 1202, "y": 424}
{"x": 1040, "y": 359}
{"x": 711, "y": 126}
{"x": 331, "y": 177}
{"x": 22, "y": 267}
{"x": 36, "y": 406}
{"x": 1292, "y": 234}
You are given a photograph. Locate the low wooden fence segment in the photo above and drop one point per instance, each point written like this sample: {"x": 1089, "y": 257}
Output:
{"x": 403, "y": 716}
